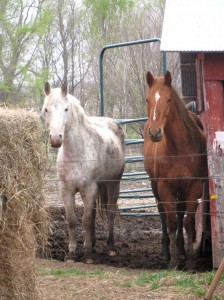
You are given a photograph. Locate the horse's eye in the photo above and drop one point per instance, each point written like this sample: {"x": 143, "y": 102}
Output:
{"x": 46, "y": 110}
{"x": 147, "y": 101}
{"x": 169, "y": 100}
{"x": 66, "y": 109}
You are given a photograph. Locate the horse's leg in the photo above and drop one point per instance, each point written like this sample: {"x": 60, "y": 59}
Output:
{"x": 169, "y": 202}
{"x": 165, "y": 254}
{"x": 89, "y": 199}
{"x": 180, "y": 225}
{"x": 93, "y": 234}
{"x": 69, "y": 201}
{"x": 191, "y": 207}
{"x": 113, "y": 189}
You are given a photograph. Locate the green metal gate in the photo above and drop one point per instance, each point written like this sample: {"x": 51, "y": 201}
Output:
{"x": 132, "y": 176}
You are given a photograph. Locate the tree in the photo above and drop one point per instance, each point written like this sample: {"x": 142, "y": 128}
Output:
{"x": 125, "y": 68}
{"x": 63, "y": 50}
{"x": 22, "y": 22}
{"x": 61, "y": 40}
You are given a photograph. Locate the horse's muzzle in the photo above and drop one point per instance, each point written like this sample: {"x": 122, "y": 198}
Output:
{"x": 155, "y": 135}
{"x": 56, "y": 141}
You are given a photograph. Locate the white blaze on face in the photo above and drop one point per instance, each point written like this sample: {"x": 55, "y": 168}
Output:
{"x": 157, "y": 97}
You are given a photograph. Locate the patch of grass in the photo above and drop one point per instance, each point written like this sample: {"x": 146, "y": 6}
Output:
{"x": 198, "y": 282}
{"x": 185, "y": 283}
{"x": 179, "y": 282}
{"x": 125, "y": 283}
{"x": 65, "y": 272}
{"x": 154, "y": 279}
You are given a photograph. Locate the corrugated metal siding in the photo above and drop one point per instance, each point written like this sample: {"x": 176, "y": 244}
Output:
{"x": 188, "y": 76}
{"x": 188, "y": 58}
{"x": 189, "y": 88}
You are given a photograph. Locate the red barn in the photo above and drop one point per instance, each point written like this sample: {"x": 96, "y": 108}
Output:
{"x": 195, "y": 29}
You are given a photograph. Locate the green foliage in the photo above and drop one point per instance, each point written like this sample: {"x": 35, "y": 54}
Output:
{"x": 38, "y": 26}
{"x": 106, "y": 10}
{"x": 45, "y": 18}
{"x": 21, "y": 28}
{"x": 38, "y": 81}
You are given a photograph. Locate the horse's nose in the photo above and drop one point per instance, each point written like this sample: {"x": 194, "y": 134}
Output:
{"x": 55, "y": 140}
{"x": 155, "y": 134}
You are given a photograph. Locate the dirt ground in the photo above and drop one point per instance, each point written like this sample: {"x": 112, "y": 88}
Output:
{"x": 138, "y": 241}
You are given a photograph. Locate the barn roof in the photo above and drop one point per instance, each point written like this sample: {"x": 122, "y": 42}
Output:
{"x": 193, "y": 25}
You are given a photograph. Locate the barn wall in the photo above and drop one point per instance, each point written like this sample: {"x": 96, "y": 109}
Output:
{"x": 213, "y": 75}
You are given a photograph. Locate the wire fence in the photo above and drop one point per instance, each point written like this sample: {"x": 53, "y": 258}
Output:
{"x": 136, "y": 197}
{"x": 135, "y": 183}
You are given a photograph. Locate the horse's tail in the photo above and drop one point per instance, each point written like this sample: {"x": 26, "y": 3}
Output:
{"x": 102, "y": 201}
{"x": 103, "y": 205}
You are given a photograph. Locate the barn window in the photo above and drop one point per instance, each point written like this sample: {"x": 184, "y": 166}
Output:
{"x": 188, "y": 76}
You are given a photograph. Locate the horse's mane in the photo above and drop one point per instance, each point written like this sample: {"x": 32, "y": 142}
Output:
{"x": 187, "y": 119}
{"x": 79, "y": 113}
{"x": 77, "y": 109}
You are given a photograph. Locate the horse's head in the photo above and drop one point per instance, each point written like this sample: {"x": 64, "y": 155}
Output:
{"x": 158, "y": 100}
{"x": 55, "y": 113}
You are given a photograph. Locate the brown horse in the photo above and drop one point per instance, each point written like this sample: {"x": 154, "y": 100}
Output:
{"x": 175, "y": 159}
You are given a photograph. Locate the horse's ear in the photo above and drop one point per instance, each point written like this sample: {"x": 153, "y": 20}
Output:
{"x": 168, "y": 79}
{"x": 64, "y": 89}
{"x": 47, "y": 88}
{"x": 149, "y": 79}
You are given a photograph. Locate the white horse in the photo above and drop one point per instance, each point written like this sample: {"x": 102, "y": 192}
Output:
{"x": 90, "y": 161}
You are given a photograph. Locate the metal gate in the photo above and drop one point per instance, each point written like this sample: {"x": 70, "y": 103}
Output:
{"x": 131, "y": 176}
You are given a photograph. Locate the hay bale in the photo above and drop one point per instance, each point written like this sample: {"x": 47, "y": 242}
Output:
{"x": 22, "y": 215}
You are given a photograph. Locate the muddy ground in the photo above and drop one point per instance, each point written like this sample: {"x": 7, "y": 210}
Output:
{"x": 138, "y": 241}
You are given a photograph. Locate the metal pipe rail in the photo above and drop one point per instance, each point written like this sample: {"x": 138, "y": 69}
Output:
{"x": 138, "y": 214}
{"x": 132, "y": 159}
{"x": 141, "y": 214}
{"x": 140, "y": 206}
{"x": 129, "y": 159}
{"x": 126, "y": 121}
{"x": 134, "y": 141}
{"x": 136, "y": 196}
{"x": 117, "y": 46}
{"x": 137, "y": 190}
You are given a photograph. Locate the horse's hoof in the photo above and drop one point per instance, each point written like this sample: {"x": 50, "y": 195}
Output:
{"x": 71, "y": 257}
{"x": 89, "y": 261}
{"x": 181, "y": 258}
{"x": 93, "y": 250}
{"x": 173, "y": 265}
{"x": 111, "y": 253}
{"x": 70, "y": 262}
{"x": 190, "y": 268}
{"x": 191, "y": 271}
{"x": 164, "y": 257}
